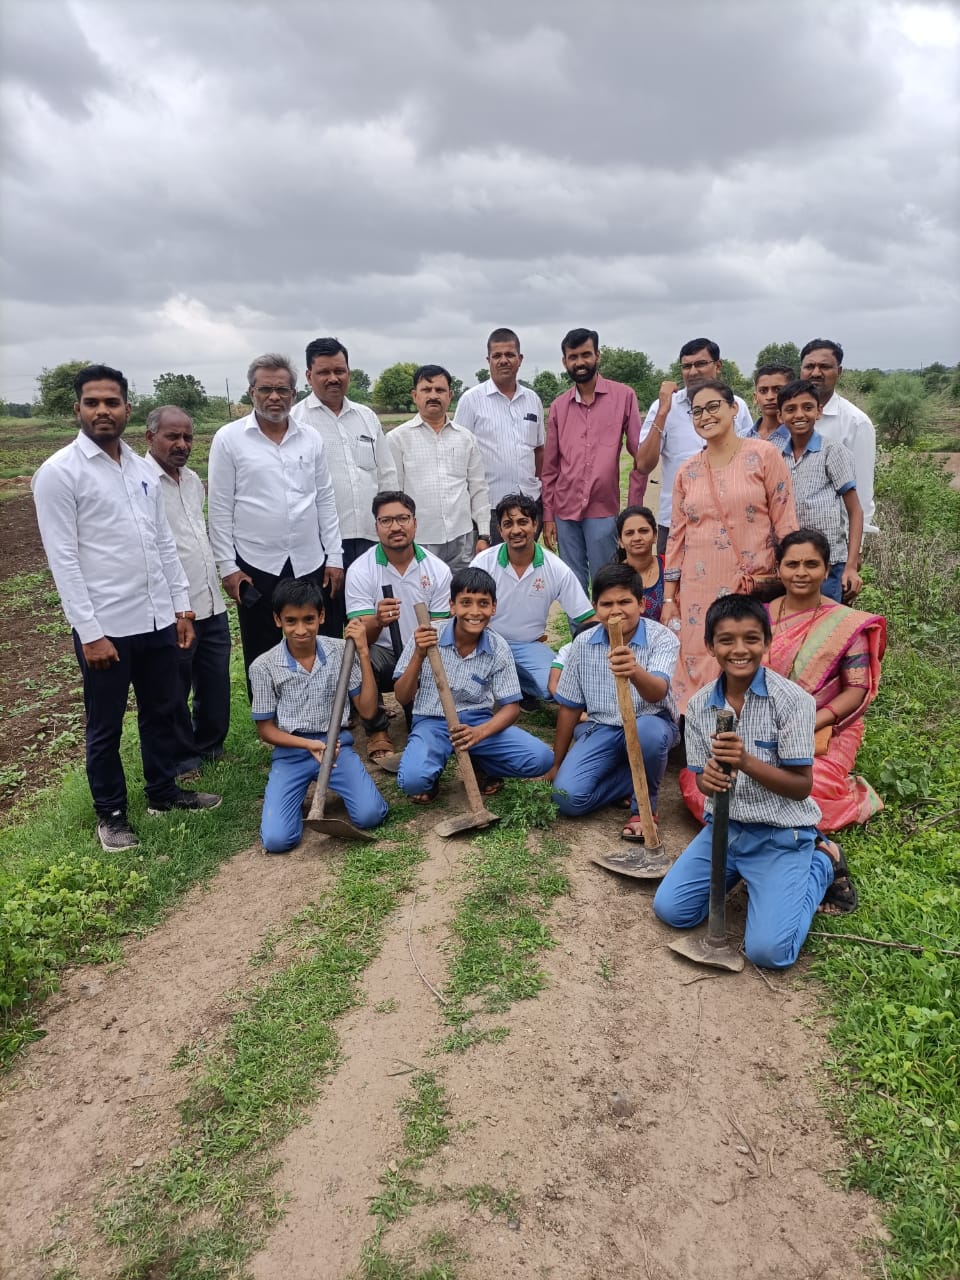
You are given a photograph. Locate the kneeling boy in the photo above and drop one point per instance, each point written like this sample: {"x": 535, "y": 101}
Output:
{"x": 481, "y": 672}
{"x": 595, "y": 770}
{"x": 772, "y": 818}
{"x": 293, "y": 686}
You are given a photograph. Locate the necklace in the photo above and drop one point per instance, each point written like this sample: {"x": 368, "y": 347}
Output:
{"x": 724, "y": 459}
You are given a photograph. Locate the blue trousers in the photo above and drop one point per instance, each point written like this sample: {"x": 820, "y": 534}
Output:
{"x": 532, "y": 659}
{"x": 786, "y": 879}
{"x": 292, "y": 769}
{"x": 833, "y": 584}
{"x": 205, "y": 671}
{"x": 587, "y": 545}
{"x": 511, "y": 753}
{"x": 596, "y": 770}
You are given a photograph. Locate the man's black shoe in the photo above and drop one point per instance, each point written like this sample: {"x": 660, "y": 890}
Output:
{"x": 188, "y": 800}
{"x": 115, "y": 833}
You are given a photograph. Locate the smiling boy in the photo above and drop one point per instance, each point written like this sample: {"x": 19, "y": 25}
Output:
{"x": 824, "y": 486}
{"x": 481, "y": 673}
{"x": 772, "y": 817}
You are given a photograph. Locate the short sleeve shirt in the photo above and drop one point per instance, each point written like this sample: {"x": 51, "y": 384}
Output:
{"x": 486, "y": 676}
{"x": 300, "y": 701}
{"x": 588, "y": 683}
{"x": 820, "y": 477}
{"x": 426, "y": 580}
{"x": 523, "y": 603}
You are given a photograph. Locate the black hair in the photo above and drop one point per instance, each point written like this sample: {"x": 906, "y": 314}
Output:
{"x": 736, "y": 608}
{"x": 386, "y": 496}
{"x": 799, "y": 387}
{"x": 797, "y": 538}
{"x": 700, "y": 344}
{"x": 99, "y": 373}
{"x": 475, "y": 581}
{"x": 520, "y": 501}
{"x": 503, "y": 335}
{"x": 627, "y": 514}
{"x": 616, "y": 575}
{"x": 300, "y": 592}
{"x": 825, "y": 344}
{"x": 326, "y": 347}
{"x": 579, "y": 338}
{"x": 768, "y": 370}
{"x": 429, "y": 371}
{"x": 714, "y": 384}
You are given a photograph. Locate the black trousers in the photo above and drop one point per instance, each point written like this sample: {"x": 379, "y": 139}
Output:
{"x": 335, "y": 619}
{"x": 383, "y": 663}
{"x": 205, "y": 673}
{"x": 150, "y": 663}
{"x": 258, "y": 631}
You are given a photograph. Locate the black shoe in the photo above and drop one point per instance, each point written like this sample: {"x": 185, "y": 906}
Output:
{"x": 529, "y": 702}
{"x": 185, "y": 800}
{"x": 115, "y": 833}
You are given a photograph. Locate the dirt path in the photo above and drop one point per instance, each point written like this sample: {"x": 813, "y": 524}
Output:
{"x": 671, "y": 1191}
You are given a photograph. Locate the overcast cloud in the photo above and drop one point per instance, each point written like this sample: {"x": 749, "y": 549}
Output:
{"x": 186, "y": 184}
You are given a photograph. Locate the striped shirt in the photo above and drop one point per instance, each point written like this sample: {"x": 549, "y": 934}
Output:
{"x": 523, "y": 602}
{"x": 820, "y": 477}
{"x": 300, "y": 701}
{"x": 485, "y": 676}
{"x": 443, "y": 472}
{"x": 588, "y": 683}
{"x": 776, "y": 726}
{"x": 507, "y": 431}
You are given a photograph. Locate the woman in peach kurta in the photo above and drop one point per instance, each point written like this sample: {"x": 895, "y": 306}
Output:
{"x": 732, "y": 503}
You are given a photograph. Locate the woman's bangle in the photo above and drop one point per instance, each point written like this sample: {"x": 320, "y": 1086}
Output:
{"x": 669, "y": 599}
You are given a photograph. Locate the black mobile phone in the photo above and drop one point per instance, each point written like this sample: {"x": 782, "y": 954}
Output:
{"x": 249, "y": 595}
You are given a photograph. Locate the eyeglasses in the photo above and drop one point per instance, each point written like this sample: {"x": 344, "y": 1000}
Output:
{"x": 710, "y": 407}
{"x": 694, "y": 365}
{"x": 386, "y": 521}
{"x": 274, "y": 391}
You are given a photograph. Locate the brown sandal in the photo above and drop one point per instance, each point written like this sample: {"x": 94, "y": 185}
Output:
{"x": 379, "y": 745}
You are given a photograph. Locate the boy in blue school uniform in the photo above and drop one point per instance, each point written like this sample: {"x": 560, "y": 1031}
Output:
{"x": 293, "y": 686}
{"x": 481, "y": 672}
{"x": 772, "y": 842}
{"x": 591, "y": 767}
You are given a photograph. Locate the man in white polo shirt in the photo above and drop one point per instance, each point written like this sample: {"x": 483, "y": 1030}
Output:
{"x": 414, "y": 576}
{"x": 667, "y": 434}
{"x": 507, "y": 420}
{"x": 529, "y": 580}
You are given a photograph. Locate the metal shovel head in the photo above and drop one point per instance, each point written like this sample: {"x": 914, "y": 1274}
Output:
{"x": 639, "y": 864}
{"x": 339, "y": 828}
{"x": 391, "y": 763}
{"x": 473, "y": 819}
{"x": 702, "y": 949}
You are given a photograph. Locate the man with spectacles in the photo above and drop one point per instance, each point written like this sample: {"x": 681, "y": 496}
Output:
{"x": 271, "y": 505}
{"x": 667, "y": 434}
{"x": 415, "y": 576}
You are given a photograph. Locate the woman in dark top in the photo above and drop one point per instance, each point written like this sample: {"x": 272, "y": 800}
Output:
{"x": 637, "y": 538}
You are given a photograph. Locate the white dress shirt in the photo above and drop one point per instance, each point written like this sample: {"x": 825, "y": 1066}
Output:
{"x": 270, "y": 502}
{"x": 183, "y": 504}
{"x": 443, "y": 472}
{"x": 843, "y": 423}
{"x": 361, "y": 465}
{"x": 507, "y": 431}
{"x": 680, "y": 442}
{"x": 108, "y": 543}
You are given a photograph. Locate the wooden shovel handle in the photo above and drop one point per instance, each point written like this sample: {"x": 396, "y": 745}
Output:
{"x": 629, "y": 717}
{"x": 464, "y": 762}
{"x": 333, "y": 730}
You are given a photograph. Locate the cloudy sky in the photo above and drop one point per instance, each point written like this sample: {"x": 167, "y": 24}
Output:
{"x": 189, "y": 182}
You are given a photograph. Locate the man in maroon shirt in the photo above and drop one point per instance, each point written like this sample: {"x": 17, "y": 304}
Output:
{"x": 586, "y": 430}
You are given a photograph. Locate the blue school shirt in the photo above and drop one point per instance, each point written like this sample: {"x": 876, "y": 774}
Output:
{"x": 300, "y": 701}
{"x": 485, "y": 676}
{"x": 587, "y": 681}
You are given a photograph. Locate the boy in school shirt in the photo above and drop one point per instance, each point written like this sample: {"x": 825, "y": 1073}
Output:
{"x": 591, "y": 767}
{"x": 293, "y": 687}
{"x": 481, "y": 672}
{"x": 824, "y": 486}
{"x": 772, "y": 843}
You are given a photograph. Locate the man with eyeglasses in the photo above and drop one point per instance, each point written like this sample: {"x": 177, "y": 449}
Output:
{"x": 414, "y": 576}
{"x": 271, "y": 505}
{"x": 667, "y": 434}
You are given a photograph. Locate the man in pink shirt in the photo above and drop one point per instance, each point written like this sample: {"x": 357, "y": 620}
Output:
{"x": 581, "y": 461}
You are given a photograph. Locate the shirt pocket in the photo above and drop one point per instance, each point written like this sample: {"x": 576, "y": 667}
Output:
{"x": 765, "y": 750}
{"x": 365, "y": 453}
{"x": 296, "y": 474}
{"x": 455, "y": 462}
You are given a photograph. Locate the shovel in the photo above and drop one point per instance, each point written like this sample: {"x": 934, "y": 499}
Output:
{"x": 651, "y": 862}
{"x": 315, "y": 820}
{"x": 479, "y": 815}
{"x": 710, "y": 946}
{"x": 391, "y": 763}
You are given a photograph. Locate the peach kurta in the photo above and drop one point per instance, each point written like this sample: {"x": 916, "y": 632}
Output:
{"x": 752, "y": 490}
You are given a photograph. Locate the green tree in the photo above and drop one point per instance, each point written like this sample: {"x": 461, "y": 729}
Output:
{"x": 456, "y": 388}
{"x": 935, "y": 377}
{"x": 636, "y": 369}
{"x": 10, "y": 409}
{"x": 181, "y": 389}
{"x": 57, "y": 396}
{"x": 547, "y": 386}
{"x": 392, "y": 391}
{"x": 359, "y": 386}
{"x": 482, "y": 375}
{"x": 899, "y": 408}
{"x": 779, "y": 353}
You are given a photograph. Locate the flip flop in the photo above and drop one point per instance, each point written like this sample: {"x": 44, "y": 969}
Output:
{"x": 427, "y": 797}
{"x": 841, "y": 897}
{"x": 632, "y": 832}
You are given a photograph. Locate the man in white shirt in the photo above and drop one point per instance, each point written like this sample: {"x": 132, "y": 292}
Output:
{"x": 841, "y": 422}
{"x": 440, "y": 466}
{"x": 667, "y": 434}
{"x": 529, "y": 580}
{"x": 361, "y": 464}
{"x": 205, "y": 666}
{"x": 413, "y": 576}
{"x": 124, "y": 593}
{"x": 271, "y": 506}
{"x": 507, "y": 420}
